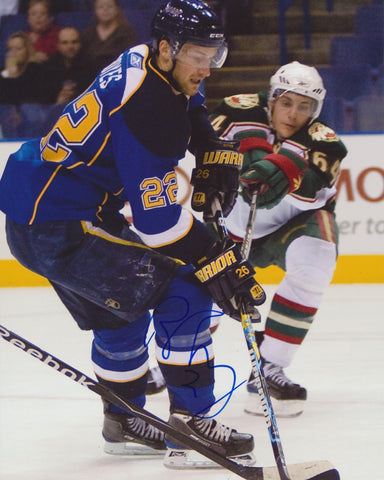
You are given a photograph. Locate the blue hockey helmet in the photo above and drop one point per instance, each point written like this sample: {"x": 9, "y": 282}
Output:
{"x": 190, "y": 21}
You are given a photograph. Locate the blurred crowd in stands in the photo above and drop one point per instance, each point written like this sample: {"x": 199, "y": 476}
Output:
{"x": 49, "y": 57}
{"x": 51, "y": 50}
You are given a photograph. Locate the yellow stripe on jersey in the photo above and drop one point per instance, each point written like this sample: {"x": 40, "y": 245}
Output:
{"x": 88, "y": 227}
{"x": 158, "y": 73}
{"x": 42, "y": 193}
{"x": 168, "y": 357}
{"x": 100, "y": 149}
{"x": 100, "y": 208}
{"x": 121, "y": 377}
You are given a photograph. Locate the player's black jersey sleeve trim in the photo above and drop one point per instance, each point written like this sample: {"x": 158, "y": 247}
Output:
{"x": 191, "y": 247}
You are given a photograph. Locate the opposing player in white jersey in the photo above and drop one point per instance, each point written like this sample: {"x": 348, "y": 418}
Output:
{"x": 294, "y": 158}
{"x": 119, "y": 142}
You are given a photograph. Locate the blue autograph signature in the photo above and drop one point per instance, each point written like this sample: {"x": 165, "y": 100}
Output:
{"x": 172, "y": 326}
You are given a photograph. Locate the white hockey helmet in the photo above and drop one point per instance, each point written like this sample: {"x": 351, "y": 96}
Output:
{"x": 301, "y": 79}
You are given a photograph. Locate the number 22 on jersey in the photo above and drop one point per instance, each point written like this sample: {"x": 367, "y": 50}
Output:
{"x": 156, "y": 191}
{"x": 73, "y": 128}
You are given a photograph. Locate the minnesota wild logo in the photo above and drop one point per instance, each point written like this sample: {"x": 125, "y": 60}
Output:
{"x": 320, "y": 132}
{"x": 243, "y": 100}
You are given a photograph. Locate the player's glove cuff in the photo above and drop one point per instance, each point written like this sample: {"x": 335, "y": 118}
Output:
{"x": 253, "y": 140}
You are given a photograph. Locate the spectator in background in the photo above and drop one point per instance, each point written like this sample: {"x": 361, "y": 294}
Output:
{"x": 56, "y": 6}
{"x": 43, "y": 31}
{"x": 109, "y": 34}
{"x": 67, "y": 70}
{"x": 21, "y": 78}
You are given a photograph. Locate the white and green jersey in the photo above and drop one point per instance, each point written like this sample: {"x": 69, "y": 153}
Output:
{"x": 317, "y": 143}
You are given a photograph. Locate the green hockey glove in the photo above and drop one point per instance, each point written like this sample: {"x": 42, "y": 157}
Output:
{"x": 277, "y": 175}
{"x": 254, "y": 145}
{"x": 274, "y": 175}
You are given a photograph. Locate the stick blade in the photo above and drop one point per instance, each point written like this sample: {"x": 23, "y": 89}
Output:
{"x": 316, "y": 470}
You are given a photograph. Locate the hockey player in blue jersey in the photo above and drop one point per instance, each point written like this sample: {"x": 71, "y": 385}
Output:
{"x": 62, "y": 194}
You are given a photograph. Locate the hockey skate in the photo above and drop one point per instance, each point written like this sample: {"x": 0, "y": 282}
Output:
{"x": 225, "y": 440}
{"x": 287, "y": 397}
{"x": 127, "y": 435}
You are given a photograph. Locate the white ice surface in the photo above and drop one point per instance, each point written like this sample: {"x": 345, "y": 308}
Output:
{"x": 50, "y": 427}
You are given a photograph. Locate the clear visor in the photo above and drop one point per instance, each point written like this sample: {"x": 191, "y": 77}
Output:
{"x": 303, "y": 104}
{"x": 197, "y": 56}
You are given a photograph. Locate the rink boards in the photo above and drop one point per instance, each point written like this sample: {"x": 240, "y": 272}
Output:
{"x": 360, "y": 216}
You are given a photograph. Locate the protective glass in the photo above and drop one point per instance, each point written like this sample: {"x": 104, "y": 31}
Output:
{"x": 304, "y": 105}
{"x": 197, "y": 56}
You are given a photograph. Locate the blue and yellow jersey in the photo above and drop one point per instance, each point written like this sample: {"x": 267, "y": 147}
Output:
{"x": 117, "y": 142}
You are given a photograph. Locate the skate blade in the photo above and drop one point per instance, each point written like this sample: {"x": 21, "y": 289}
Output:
{"x": 131, "y": 449}
{"x": 282, "y": 408}
{"x": 179, "y": 459}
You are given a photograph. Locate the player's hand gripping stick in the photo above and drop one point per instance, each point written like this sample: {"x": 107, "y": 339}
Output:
{"x": 230, "y": 279}
{"x": 218, "y": 165}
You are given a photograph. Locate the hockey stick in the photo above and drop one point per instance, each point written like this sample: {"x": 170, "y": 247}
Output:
{"x": 247, "y": 242}
{"x": 322, "y": 470}
{"x": 253, "y": 349}
{"x": 257, "y": 368}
